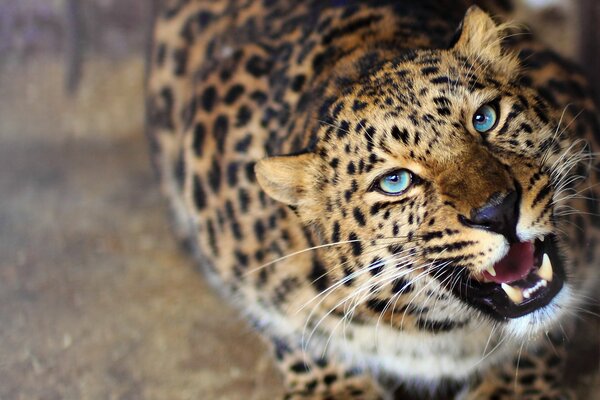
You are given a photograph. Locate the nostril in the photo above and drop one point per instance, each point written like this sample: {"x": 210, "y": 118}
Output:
{"x": 500, "y": 214}
{"x": 496, "y": 209}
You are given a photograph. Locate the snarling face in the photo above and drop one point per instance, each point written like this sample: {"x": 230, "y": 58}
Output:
{"x": 436, "y": 180}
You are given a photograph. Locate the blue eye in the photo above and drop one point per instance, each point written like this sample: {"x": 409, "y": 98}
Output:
{"x": 395, "y": 182}
{"x": 484, "y": 118}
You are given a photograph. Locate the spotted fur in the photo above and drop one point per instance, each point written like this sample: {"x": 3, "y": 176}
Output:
{"x": 270, "y": 123}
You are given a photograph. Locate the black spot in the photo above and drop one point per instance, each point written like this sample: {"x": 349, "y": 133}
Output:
{"x": 161, "y": 114}
{"x": 212, "y": 237}
{"x": 198, "y": 141}
{"x": 429, "y": 70}
{"x": 196, "y": 24}
{"x": 350, "y": 28}
{"x": 351, "y": 168}
{"x": 527, "y": 379}
{"x": 161, "y": 54}
{"x": 259, "y": 97}
{"x": 356, "y": 245}
{"x": 322, "y": 59}
{"x": 229, "y": 210}
{"x": 220, "y": 130}
{"x": 236, "y": 229}
{"x": 436, "y": 326}
{"x": 401, "y": 285}
{"x": 441, "y": 80}
{"x": 311, "y": 385}
{"x": 180, "y": 169}
{"x": 318, "y": 276}
{"x": 259, "y": 230}
{"x": 343, "y": 129}
{"x": 358, "y": 105}
{"x": 400, "y": 134}
{"x": 348, "y": 194}
{"x": 188, "y": 112}
{"x": 376, "y": 305}
{"x": 335, "y": 236}
{"x": 258, "y": 66}
{"x": 524, "y": 363}
{"x": 250, "y": 175}
{"x": 540, "y": 111}
{"x": 298, "y": 82}
{"x": 376, "y": 266}
{"x": 526, "y": 127}
{"x": 554, "y": 361}
{"x": 214, "y": 176}
{"x": 376, "y": 207}
{"x": 542, "y": 194}
{"x": 208, "y": 98}
{"x": 244, "y": 199}
{"x": 300, "y": 367}
{"x": 199, "y": 194}
{"x": 243, "y": 116}
{"x": 329, "y": 379}
{"x": 242, "y": 145}
{"x": 359, "y": 216}
{"x": 234, "y": 93}
{"x": 444, "y": 111}
{"x": 232, "y": 170}
{"x": 180, "y": 58}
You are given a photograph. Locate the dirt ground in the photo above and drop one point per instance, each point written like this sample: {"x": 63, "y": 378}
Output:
{"x": 96, "y": 299}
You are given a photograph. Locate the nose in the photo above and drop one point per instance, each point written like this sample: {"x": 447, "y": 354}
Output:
{"x": 500, "y": 214}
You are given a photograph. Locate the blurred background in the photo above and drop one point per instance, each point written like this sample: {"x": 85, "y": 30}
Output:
{"x": 96, "y": 299}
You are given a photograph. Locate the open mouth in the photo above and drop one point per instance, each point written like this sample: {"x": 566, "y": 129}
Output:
{"x": 526, "y": 279}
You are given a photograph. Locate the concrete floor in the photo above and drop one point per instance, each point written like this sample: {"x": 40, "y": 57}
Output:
{"x": 96, "y": 299}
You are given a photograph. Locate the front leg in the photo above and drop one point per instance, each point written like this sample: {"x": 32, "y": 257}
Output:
{"x": 535, "y": 374}
{"x": 309, "y": 378}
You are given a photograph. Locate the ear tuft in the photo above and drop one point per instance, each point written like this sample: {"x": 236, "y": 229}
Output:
{"x": 480, "y": 37}
{"x": 286, "y": 178}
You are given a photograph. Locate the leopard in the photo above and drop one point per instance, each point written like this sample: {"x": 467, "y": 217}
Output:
{"x": 398, "y": 195}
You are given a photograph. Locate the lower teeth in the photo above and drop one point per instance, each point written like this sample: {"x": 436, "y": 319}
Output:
{"x": 514, "y": 294}
{"x": 517, "y": 295}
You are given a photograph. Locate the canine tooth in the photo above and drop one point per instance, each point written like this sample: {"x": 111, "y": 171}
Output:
{"x": 491, "y": 270}
{"x": 545, "y": 271}
{"x": 515, "y": 295}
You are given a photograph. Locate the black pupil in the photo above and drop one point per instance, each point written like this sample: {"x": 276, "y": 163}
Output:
{"x": 394, "y": 178}
{"x": 479, "y": 117}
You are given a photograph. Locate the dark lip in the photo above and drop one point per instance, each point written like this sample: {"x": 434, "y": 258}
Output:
{"x": 493, "y": 301}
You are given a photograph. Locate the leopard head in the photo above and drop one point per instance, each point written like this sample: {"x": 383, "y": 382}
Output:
{"x": 436, "y": 179}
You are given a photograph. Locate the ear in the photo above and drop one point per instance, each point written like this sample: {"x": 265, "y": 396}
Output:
{"x": 286, "y": 178}
{"x": 479, "y": 36}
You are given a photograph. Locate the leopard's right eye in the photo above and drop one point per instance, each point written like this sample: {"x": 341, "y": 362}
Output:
{"x": 395, "y": 182}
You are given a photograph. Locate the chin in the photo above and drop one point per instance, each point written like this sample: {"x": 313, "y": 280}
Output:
{"x": 543, "y": 319}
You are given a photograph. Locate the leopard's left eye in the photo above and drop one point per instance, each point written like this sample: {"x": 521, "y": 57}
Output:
{"x": 485, "y": 118}
{"x": 395, "y": 182}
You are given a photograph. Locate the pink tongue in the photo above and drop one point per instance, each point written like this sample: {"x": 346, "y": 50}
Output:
{"x": 515, "y": 265}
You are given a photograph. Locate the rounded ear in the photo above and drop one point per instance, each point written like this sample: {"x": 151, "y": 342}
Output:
{"x": 286, "y": 178}
{"x": 480, "y": 37}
